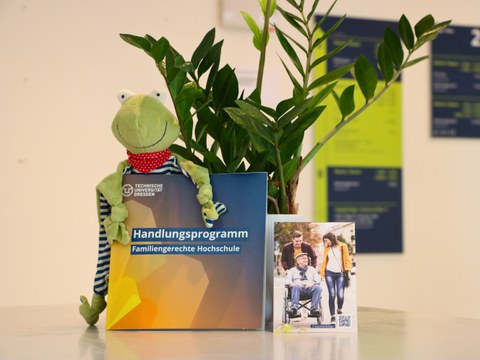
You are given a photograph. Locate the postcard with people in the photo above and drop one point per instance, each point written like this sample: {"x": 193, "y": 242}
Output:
{"x": 315, "y": 277}
{"x": 179, "y": 274}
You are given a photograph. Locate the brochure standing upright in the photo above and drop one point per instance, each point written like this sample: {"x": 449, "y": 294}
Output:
{"x": 178, "y": 274}
{"x": 337, "y": 303}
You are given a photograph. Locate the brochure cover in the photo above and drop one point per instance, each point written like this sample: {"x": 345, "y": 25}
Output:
{"x": 311, "y": 290}
{"x": 178, "y": 274}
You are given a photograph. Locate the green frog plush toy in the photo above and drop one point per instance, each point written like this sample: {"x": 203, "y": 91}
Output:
{"x": 146, "y": 128}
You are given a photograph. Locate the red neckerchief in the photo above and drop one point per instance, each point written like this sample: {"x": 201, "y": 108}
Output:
{"x": 147, "y": 162}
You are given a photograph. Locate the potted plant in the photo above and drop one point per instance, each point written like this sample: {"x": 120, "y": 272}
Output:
{"x": 226, "y": 130}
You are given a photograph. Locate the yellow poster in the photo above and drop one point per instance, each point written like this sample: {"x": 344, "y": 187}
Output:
{"x": 358, "y": 172}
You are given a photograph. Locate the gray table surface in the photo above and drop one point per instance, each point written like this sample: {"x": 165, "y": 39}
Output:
{"x": 58, "y": 332}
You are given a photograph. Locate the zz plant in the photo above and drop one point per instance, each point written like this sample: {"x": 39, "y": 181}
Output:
{"x": 225, "y": 130}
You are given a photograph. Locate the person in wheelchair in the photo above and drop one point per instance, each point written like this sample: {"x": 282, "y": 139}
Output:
{"x": 304, "y": 282}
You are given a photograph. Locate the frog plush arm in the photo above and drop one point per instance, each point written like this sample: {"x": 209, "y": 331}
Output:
{"x": 111, "y": 189}
{"x": 201, "y": 178}
{"x": 112, "y": 228}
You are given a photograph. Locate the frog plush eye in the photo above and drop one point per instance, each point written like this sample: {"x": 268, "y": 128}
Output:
{"x": 124, "y": 95}
{"x": 158, "y": 95}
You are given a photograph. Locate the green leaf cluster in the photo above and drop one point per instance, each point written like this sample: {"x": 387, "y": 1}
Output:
{"x": 227, "y": 131}
{"x": 394, "y": 55}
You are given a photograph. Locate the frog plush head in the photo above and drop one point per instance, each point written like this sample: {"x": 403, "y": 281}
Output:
{"x": 146, "y": 128}
{"x": 143, "y": 124}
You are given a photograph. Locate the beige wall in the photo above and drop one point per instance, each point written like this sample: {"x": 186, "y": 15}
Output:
{"x": 61, "y": 66}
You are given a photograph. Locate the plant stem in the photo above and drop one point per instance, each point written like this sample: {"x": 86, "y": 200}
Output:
{"x": 293, "y": 183}
{"x": 283, "y": 191}
{"x": 263, "y": 50}
{"x": 274, "y": 203}
{"x": 308, "y": 62}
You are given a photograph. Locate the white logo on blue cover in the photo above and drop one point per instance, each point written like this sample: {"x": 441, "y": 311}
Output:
{"x": 127, "y": 190}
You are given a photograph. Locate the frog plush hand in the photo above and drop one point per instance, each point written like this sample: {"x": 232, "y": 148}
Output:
{"x": 146, "y": 128}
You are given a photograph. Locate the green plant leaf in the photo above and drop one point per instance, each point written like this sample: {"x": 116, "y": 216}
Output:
{"x": 425, "y": 39}
{"x": 295, "y": 5}
{"x": 201, "y": 134}
{"x": 255, "y": 114}
{"x": 213, "y": 57}
{"x": 234, "y": 164}
{"x": 265, "y": 109}
{"x": 297, "y": 44}
{"x": 330, "y": 76}
{"x": 273, "y": 7}
{"x": 415, "y": 61}
{"x": 199, "y": 147}
{"x": 236, "y": 141}
{"x": 150, "y": 39}
{"x": 322, "y": 95}
{"x": 207, "y": 119}
{"x": 424, "y": 25}
{"x": 299, "y": 126}
{"x": 284, "y": 105}
{"x": 272, "y": 189}
{"x": 366, "y": 77}
{"x": 440, "y": 26}
{"x": 346, "y": 102}
{"x": 252, "y": 24}
{"x": 313, "y": 9}
{"x": 159, "y": 49}
{"x": 228, "y": 145}
{"x": 385, "y": 63}
{"x": 203, "y": 48}
{"x": 180, "y": 150}
{"x": 225, "y": 88}
{"x": 257, "y": 40}
{"x": 289, "y": 50}
{"x": 259, "y": 162}
{"x": 254, "y": 127}
{"x": 291, "y": 146}
{"x": 176, "y": 75}
{"x": 187, "y": 123}
{"x": 406, "y": 32}
{"x": 294, "y": 81}
{"x": 330, "y": 54}
{"x": 188, "y": 93}
{"x": 215, "y": 162}
{"x": 183, "y": 65}
{"x": 212, "y": 74}
{"x": 293, "y": 20}
{"x": 393, "y": 46}
{"x": 296, "y": 110}
{"x": 431, "y": 34}
{"x": 263, "y": 5}
{"x": 137, "y": 41}
{"x": 326, "y": 34}
{"x": 290, "y": 168}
